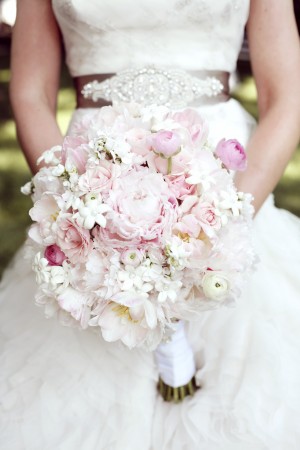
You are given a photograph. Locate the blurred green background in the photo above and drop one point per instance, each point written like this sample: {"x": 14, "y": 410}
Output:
{"x": 14, "y": 172}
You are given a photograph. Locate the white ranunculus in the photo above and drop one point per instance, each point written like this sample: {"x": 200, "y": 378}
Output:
{"x": 215, "y": 285}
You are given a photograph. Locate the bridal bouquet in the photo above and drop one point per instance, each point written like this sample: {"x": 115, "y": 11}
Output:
{"x": 138, "y": 224}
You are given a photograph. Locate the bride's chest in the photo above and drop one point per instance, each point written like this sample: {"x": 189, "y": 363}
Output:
{"x": 120, "y": 14}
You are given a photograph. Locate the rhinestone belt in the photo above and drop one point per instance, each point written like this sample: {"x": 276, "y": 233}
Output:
{"x": 174, "y": 88}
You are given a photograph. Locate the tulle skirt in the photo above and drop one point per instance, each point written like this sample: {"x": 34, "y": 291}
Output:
{"x": 62, "y": 388}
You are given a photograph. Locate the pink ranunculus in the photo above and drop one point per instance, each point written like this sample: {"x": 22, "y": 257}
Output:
{"x": 194, "y": 123}
{"x": 75, "y": 152}
{"x": 232, "y": 154}
{"x": 73, "y": 240}
{"x": 166, "y": 143}
{"x": 138, "y": 139}
{"x": 206, "y": 215}
{"x": 54, "y": 255}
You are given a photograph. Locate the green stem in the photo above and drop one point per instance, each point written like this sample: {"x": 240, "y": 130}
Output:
{"x": 176, "y": 395}
{"x": 169, "y": 169}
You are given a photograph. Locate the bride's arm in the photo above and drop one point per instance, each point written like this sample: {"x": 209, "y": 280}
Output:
{"x": 35, "y": 69}
{"x": 275, "y": 57}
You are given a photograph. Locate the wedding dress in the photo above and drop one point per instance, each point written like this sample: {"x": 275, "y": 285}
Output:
{"x": 64, "y": 389}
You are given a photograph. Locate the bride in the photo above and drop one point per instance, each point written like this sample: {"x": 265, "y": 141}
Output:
{"x": 65, "y": 389}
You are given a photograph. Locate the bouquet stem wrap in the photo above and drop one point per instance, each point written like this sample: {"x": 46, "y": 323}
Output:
{"x": 176, "y": 366}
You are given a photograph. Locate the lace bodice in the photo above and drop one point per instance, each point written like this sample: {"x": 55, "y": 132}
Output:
{"x": 103, "y": 36}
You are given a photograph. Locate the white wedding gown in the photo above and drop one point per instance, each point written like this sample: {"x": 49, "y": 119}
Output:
{"x": 64, "y": 389}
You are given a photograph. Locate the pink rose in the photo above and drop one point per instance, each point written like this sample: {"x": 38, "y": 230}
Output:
{"x": 138, "y": 139}
{"x": 232, "y": 154}
{"x": 98, "y": 119}
{"x": 179, "y": 186}
{"x": 75, "y": 152}
{"x": 73, "y": 240}
{"x": 206, "y": 215}
{"x": 98, "y": 179}
{"x": 194, "y": 124}
{"x": 166, "y": 143}
{"x": 54, "y": 255}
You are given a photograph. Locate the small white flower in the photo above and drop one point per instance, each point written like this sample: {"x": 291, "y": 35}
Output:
{"x": 202, "y": 177}
{"x": 69, "y": 200}
{"x": 41, "y": 268}
{"x": 177, "y": 256}
{"x": 229, "y": 201}
{"x": 129, "y": 279}
{"x": 154, "y": 114}
{"x": 149, "y": 272}
{"x": 120, "y": 150}
{"x": 90, "y": 212}
{"x": 59, "y": 278}
{"x": 49, "y": 156}
{"x": 27, "y": 189}
{"x": 168, "y": 289}
{"x": 58, "y": 170}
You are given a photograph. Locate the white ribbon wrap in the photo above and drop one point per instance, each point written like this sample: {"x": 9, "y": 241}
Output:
{"x": 175, "y": 359}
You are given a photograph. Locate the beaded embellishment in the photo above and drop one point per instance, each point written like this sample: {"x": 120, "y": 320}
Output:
{"x": 170, "y": 87}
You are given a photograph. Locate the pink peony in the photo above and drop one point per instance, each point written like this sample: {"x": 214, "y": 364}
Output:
{"x": 117, "y": 323}
{"x": 232, "y": 154}
{"x": 142, "y": 209}
{"x": 73, "y": 301}
{"x": 73, "y": 240}
{"x": 188, "y": 225}
{"x": 45, "y": 212}
{"x": 166, "y": 143}
{"x": 54, "y": 255}
{"x": 75, "y": 152}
